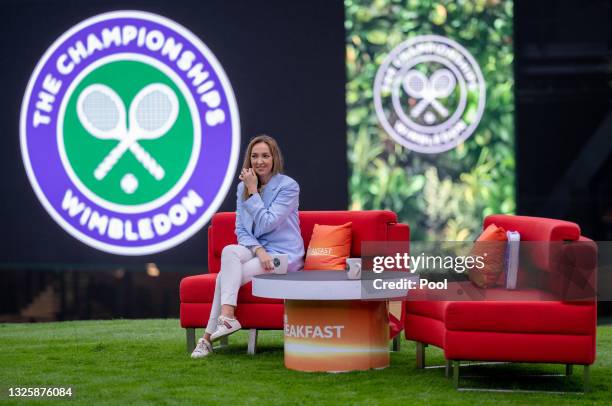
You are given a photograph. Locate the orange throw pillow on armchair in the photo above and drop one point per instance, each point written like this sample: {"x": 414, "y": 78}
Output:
{"x": 329, "y": 247}
{"x": 492, "y": 241}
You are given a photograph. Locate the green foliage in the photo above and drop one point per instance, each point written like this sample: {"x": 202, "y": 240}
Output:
{"x": 443, "y": 196}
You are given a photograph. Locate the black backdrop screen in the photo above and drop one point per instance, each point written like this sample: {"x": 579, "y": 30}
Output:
{"x": 285, "y": 63}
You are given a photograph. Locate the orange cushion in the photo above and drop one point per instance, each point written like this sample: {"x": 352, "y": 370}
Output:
{"x": 489, "y": 243}
{"x": 329, "y": 247}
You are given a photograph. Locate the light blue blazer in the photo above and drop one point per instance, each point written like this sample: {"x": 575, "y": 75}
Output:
{"x": 271, "y": 220}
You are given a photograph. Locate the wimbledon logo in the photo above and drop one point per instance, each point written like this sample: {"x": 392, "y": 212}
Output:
{"x": 429, "y": 94}
{"x": 130, "y": 132}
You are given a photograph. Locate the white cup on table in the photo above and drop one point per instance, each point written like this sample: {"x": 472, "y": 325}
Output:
{"x": 353, "y": 268}
{"x": 280, "y": 262}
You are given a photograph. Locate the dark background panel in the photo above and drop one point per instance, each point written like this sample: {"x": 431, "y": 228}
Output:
{"x": 285, "y": 62}
{"x": 563, "y": 72}
{"x": 563, "y": 76}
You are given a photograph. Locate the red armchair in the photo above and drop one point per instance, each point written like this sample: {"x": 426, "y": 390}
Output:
{"x": 533, "y": 331}
{"x": 255, "y": 313}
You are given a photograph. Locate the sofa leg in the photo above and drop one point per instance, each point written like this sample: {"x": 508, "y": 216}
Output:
{"x": 190, "y": 335}
{"x": 569, "y": 369}
{"x": 397, "y": 340}
{"x": 448, "y": 369}
{"x": 420, "y": 355}
{"x": 224, "y": 342}
{"x": 587, "y": 379}
{"x": 456, "y": 373}
{"x": 252, "y": 346}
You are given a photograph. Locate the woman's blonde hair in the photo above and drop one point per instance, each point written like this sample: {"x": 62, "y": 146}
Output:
{"x": 277, "y": 157}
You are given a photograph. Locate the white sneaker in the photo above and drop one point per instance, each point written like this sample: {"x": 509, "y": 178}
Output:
{"x": 225, "y": 327}
{"x": 203, "y": 349}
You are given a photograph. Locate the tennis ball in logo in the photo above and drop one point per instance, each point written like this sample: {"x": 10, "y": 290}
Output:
{"x": 127, "y": 182}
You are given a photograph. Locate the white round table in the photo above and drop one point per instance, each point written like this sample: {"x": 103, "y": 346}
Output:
{"x": 332, "y": 323}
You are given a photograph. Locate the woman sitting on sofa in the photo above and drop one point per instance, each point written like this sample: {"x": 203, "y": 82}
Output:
{"x": 266, "y": 223}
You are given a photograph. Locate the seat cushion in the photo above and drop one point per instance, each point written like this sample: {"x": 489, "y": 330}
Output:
{"x": 427, "y": 308}
{"x": 545, "y": 317}
{"x": 201, "y": 289}
{"x": 519, "y": 347}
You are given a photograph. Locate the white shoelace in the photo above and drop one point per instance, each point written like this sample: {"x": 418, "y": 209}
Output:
{"x": 202, "y": 345}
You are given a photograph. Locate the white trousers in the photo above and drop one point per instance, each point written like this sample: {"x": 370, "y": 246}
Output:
{"x": 238, "y": 266}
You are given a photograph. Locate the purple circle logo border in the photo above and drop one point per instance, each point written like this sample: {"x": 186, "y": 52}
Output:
{"x": 217, "y": 161}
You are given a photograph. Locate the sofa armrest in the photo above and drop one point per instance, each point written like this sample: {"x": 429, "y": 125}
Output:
{"x": 398, "y": 232}
{"x": 575, "y": 277}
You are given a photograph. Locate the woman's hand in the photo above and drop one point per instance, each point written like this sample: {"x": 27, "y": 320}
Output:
{"x": 248, "y": 177}
{"x": 267, "y": 262}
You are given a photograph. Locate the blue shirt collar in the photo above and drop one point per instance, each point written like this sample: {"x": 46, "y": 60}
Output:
{"x": 273, "y": 182}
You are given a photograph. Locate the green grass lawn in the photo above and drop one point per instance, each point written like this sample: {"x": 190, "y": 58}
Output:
{"x": 144, "y": 361}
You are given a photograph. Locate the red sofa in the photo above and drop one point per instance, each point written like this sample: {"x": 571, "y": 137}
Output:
{"x": 196, "y": 292}
{"x": 533, "y": 331}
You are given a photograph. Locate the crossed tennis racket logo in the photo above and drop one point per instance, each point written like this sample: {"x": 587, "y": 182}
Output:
{"x": 152, "y": 114}
{"x": 439, "y": 85}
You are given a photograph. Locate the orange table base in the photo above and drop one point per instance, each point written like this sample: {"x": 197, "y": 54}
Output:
{"x": 336, "y": 336}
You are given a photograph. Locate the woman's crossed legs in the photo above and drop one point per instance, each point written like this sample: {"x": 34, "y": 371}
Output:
{"x": 238, "y": 266}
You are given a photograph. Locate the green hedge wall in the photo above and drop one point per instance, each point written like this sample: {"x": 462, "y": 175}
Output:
{"x": 442, "y": 196}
